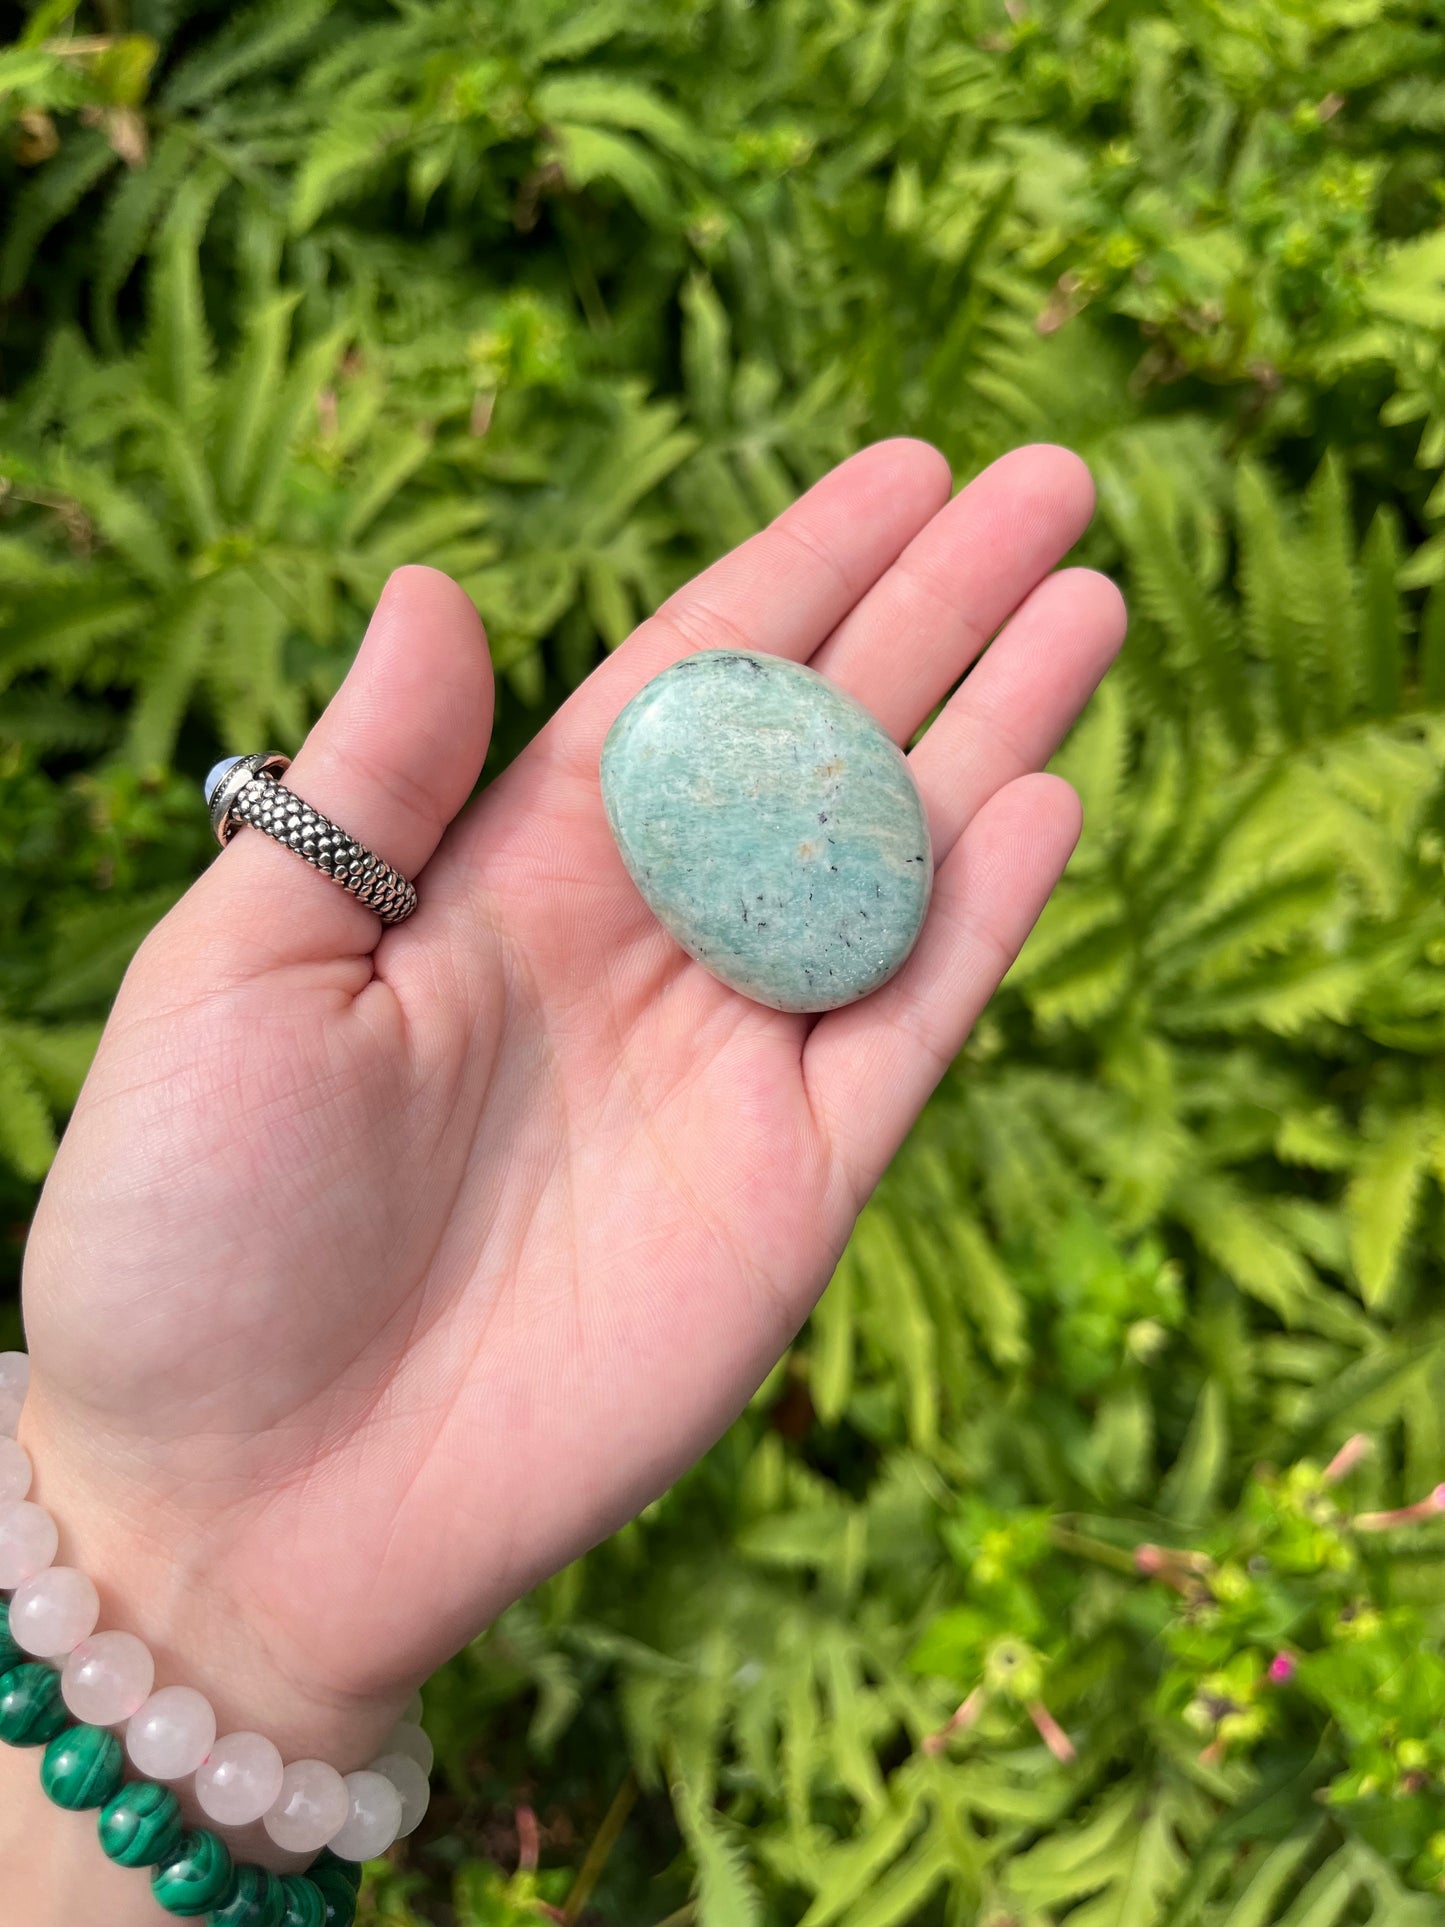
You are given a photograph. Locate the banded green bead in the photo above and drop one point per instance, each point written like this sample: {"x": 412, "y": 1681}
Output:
{"x": 337, "y": 1894}
{"x": 304, "y": 1905}
{"x": 10, "y": 1653}
{"x": 82, "y": 1768}
{"x": 350, "y": 1870}
{"x": 255, "y": 1898}
{"x": 31, "y": 1709}
{"x": 196, "y": 1877}
{"x": 141, "y": 1825}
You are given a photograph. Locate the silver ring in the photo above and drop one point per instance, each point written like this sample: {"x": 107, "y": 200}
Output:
{"x": 245, "y": 789}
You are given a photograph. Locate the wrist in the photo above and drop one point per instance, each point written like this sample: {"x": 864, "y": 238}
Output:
{"x": 166, "y": 1576}
{"x": 52, "y": 1871}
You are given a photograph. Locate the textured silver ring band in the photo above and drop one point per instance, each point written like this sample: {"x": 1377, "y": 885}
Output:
{"x": 246, "y": 790}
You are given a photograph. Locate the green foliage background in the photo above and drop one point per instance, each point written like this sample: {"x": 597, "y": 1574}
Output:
{"x": 565, "y": 297}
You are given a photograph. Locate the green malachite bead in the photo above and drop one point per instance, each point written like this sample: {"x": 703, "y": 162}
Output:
{"x": 82, "y": 1768}
{"x": 255, "y": 1898}
{"x": 337, "y": 1893}
{"x": 304, "y": 1905}
{"x": 350, "y": 1870}
{"x": 10, "y": 1653}
{"x": 141, "y": 1825}
{"x": 31, "y": 1709}
{"x": 195, "y": 1878}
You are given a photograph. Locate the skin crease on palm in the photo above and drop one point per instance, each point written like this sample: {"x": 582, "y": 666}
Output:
{"x": 380, "y": 1274}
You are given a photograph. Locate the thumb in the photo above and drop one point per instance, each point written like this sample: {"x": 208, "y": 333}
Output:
{"x": 391, "y": 760}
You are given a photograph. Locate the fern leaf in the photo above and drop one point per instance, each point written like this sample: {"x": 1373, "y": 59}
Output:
{"x": 1269, "y": 599}
{"x": 1383, "y": 1200}
{"x": 392, "y": 465}
{"x": 1169, "y": 591}
{"x": 1193, "y": 1481}
{"x": 1150, "y": 1874}
{"x": 991, "y": 1297}
{"x": 1245, "y": 1244}
{"x": 726, "y": 1895}
{"x": 707, "y": 362}
{"x": 1382, "y": 620}
{"x": 1432, "y": 649}
{"x": 56, "y": 1056}
{"x": 27, "y": 1139}
{"x": 272, "y": 444}
{"x": 906, "y": 1334}
{"x": 1072, "y": 1863}
{"x": 249, "y": 392}
{"x": 902, "y": 1895}
{"x": 1326, "y": 1897}
{"x": 133, "y": 211}
{"x": 45, "y": 201}
{"x": 833, "y": 1327}
{"x": 177, "y": 647}
{"x": 252, "y": 40}
{"x": 608, "y": 100}
{"x": 1332, "y": 605}
{"x": 180, "y": 350}
{"x": 592, "y": 154}
{"x": 854, "y": 1867}
{"x": 1257, "y": 1905}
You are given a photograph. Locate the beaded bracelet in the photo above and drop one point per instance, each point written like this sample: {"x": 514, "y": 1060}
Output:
{"x": 139, "y": 1821}
{"x": 106, "y": 1681}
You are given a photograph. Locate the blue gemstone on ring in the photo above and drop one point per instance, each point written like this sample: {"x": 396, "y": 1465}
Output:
{"x": 218, "y": 772}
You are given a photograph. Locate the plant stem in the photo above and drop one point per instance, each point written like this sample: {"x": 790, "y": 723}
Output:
{"x": 605, "y": 1839}
{"x": 1099, "y": 1550}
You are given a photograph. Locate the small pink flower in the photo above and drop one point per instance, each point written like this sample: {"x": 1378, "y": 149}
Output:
{"x": 1405, "y": 1515}
{"x": 1347, "y": 1458}
{"x": 1282, "y": 1669}
{"x": 961, "y": 1721}
{"x": 1051, "y": 1733}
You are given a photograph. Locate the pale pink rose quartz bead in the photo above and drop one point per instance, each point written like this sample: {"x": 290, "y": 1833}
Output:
{"x": 29, "y": 1541}
{"x": 412, "y": 1741}
{"x": 15, "y": 1373}
{"x": 51, "y": 1613}
{"x": 15, "y": 1473}
{"x": 373, "y": 1817}
{"x": 312, "y": 1805}
{"x": 108, "y": 1678}
{"x": 169, "y": 1737}
{"x": 14, "y": 1383}
{"x": 240, "y": 1779}
{"x": 411, "y": 1783}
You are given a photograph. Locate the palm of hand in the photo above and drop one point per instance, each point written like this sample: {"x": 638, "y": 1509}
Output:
{"x": 376, "y": 1280}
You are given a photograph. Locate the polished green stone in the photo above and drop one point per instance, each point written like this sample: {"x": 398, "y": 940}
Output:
{"x": 31, "y": 1709}
{"x": 141, "y": 1825}
{"x": 255, "y": 1898}
{"x": 338, "y": 1894}
{"x": 304, "y": 1904}
{"x": 195, "y": 1877}
{"x": 83, "y": 1767}
{"x": 10, "y": 1653}
{"x": 328, "y": 1862}
{"x": 772, "y": 826}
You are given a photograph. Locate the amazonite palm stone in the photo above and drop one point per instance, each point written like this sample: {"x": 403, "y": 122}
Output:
{"x": 772, "y": 826}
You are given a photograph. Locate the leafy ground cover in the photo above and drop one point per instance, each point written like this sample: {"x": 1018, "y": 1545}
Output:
{"x": 1082, "y": 1561}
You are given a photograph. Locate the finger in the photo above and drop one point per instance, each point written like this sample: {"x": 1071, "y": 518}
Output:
{"x": 391, "y": 759}
{"x": 914, "y": 634}
{"x": 870, "y": 1068}
{"x": 780, "y": 592}
{"x": 1016, "y": 707}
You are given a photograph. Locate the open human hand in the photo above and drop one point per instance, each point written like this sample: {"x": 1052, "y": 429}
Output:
{"x": 380, "y": 1273}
